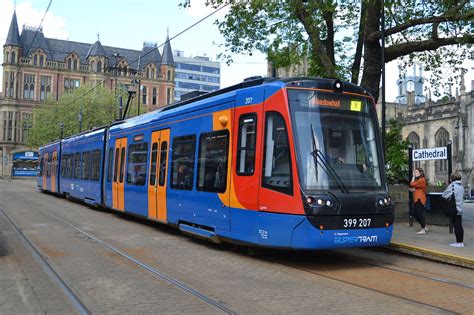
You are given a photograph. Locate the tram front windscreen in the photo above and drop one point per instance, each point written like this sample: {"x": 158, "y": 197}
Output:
{"x": 336, "y": 141}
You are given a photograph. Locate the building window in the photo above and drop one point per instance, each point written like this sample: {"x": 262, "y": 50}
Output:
{"x": 441, "y": 140}
{"x": 75, "y": 65}
{"x": 212, "y": 167}
{"x": 144, "y": 96}
{"x": 35, "y": 60}
{"x": 168, "y": 96}
{"x": 45, "y": 89}
{"x": 29, "y": 86}
{"x": 137, "y": 162}
{"x": 154, "y": 96}
{"x": 414, "y": 139}
{"x": 277, "y": 160}
{"x": 12, "y": 84}
{"x": 41, "y": 61}
{"x": 8, "y": 126}
{"x": 246, "y": 144}
{"x": 26, "y": 125}
{"x": 182, "y": 162}
{"x": 13, "y": 57}
{"x": 99, "y": 66}
{"x": 69, "y": 64}
{"x": 7, "y": 55}
{"x": 71, "y": 84}
{"x": 168, "y": 75}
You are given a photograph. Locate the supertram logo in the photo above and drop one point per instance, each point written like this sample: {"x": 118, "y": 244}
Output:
{"x": 343, "y": 239}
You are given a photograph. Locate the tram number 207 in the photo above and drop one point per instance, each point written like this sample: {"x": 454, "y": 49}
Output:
{"x": 353, "y": 223}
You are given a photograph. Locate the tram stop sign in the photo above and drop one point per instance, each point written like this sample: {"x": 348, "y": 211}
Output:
{"x": 440, "y": 153}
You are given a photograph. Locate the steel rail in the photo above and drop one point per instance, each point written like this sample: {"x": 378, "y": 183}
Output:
{"x": 57, "y": 279}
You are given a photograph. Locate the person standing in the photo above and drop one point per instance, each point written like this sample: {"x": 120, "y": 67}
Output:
{"x": 418, "y": 187}
{"x": 456, "y": 188}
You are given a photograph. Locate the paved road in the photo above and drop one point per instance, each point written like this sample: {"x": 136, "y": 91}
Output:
{"x": 246, "y": 284}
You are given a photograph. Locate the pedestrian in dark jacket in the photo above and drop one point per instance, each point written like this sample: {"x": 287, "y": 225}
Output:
{"x": 418, "y": 187}
{"x": 456, "y": 187}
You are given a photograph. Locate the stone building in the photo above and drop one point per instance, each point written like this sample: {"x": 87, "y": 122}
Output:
{"x": 432, "y": 124}
{"x": 36, "y": 68}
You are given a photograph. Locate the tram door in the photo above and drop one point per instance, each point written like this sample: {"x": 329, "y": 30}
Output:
{"x": 45, "y": 169}
{"x": 54, "y": 163}
{"x": 157, "y": 175}
{"x": 118, "y": 201}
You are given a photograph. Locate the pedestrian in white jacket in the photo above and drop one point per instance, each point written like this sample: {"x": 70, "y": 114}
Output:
{"x": 456, "y": 187}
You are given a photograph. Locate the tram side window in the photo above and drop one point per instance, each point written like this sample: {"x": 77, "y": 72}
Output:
{"x": 182, "y": 162}
{"x": 246, "y": 144}
{"x": 154, "y": 152}
{"x": 86, "y": 162}
{"x": 212, "y": 162}
{"x": 77, "y": 165}
{"x": 48, "y": 166}
{"x": 109, "y": 164}
{"x": 277, "y": 160}
{"x": 95, "y": 164}
{"x": 63, "y": 165}
{"x": 163, "y": 155}
{"x": 70, "y": 166}
{"x": 40, "y": 166}
{"x": 137, "y": 162}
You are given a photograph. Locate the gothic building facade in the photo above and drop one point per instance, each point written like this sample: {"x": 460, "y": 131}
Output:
{"x": 434, "y": 124}
{"x": 37, "y": 68}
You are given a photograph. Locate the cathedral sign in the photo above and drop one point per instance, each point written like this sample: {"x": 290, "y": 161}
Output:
{"x": 440, "y": 153}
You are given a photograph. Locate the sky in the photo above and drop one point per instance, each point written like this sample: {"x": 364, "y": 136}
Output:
{"x": 127, "y": 24}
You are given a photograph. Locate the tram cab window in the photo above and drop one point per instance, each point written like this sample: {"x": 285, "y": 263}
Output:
{"x": 182, "y": 162}
{"x": 246, "y": 144}
{"x": 212, "y": 167}
{"x": 277, "y": 160}
{"x": 137, "y": 163}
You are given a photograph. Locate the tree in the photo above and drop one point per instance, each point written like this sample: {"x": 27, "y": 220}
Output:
{"x": 343, "y": 38}
{"x": 99, "y": 108}
{"x": 396, "y": 155}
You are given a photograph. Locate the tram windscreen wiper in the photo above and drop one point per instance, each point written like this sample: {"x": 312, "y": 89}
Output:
{"x": 320, "y": 160}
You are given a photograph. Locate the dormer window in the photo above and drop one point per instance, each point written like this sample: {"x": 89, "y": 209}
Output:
{"x": 73, "y": 62}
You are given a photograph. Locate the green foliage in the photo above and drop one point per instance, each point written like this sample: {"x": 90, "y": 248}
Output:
{"x": 437, "y": 34}
{"x": 396, "y": 155}
{"x": 99, "y": 107}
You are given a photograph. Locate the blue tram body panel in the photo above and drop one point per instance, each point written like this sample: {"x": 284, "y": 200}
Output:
{"x": 257, "y": 216}
{"x": 73, "y": 183}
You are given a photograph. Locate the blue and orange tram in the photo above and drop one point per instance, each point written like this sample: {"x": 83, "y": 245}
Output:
{"x": 291, "y": 163}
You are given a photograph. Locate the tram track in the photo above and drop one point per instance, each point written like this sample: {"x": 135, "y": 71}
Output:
{"x": 73, "y": 297}
{"x": 382, "y": 285}
{"x": 110, "y": 248}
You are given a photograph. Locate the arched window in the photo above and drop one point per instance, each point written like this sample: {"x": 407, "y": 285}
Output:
{"x": 93, "y": 66}
{"x": 13, "y": 57}
{"x": 99, "y": 66}
{"x": 35, "y": 60}
{"x": 144, "y": 96}
{"x": 75, "y": 65}
{"x": 147, "y": 73}
{"x": 69, "y": 64}
{"x": 7, "y": 54}
{"x": 153, "y": 101}
{"x": 414, "y": 139}
{"x": 41, "y": 61}
{"x": 168, "y": 75}
{"x": 441, "y": 140}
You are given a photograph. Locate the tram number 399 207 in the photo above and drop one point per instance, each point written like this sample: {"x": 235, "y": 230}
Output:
{"x": 357, "y": 223}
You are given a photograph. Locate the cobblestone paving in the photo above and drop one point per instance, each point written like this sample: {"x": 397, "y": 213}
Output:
{"x": 246, "y": 284}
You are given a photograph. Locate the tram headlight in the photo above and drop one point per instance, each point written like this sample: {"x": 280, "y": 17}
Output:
{"x": 320, "y": 202}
